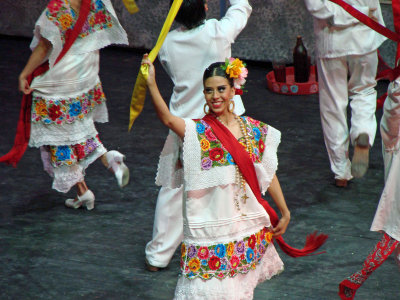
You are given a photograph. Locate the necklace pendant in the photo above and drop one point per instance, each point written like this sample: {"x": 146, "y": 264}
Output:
{"x": 244, "y": 198}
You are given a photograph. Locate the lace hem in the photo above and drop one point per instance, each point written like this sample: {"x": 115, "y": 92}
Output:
{"x": 240, "y": 287}
{"x": 68, "y": 134}
{"x": 269, "y": 161}
{"x": 169, "y": 170}
{"x": 65, "y": 177}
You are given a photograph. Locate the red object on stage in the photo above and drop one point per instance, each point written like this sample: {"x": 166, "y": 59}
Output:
{"x": 290, "y": 87}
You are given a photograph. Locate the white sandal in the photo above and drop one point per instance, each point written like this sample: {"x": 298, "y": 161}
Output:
{"x": 87, "y": 200}
{"x": 116, "y": 163}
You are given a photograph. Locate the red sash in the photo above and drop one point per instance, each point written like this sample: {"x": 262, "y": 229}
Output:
{"x": 24, "y": 122}
{"x": 246, "y": 166}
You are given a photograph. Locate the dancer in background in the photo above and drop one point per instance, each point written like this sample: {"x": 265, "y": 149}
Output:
{"x": 387, "y": 217}
{"x": 345, "y": 47}
{"x": 191, "y": 47}
{"x": 68, "y": 98}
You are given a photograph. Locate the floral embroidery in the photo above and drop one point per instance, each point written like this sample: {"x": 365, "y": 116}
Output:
{"x": 71, "y": 154}
{"x": 213, "y": 154}
{"x": 66, "y": 110}
{"x": 64, "y": 17}
{"x": 224, "y": 260}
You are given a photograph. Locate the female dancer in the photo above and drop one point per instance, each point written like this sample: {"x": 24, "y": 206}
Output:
{"x": 227, "y": 161}
{"x": 68, "y": 98}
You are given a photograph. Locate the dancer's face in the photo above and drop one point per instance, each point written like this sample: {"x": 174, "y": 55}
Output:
{"x": 218, "y": 92}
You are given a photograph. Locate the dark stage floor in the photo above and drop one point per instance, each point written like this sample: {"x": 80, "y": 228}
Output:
{"x": 48, "y": 251}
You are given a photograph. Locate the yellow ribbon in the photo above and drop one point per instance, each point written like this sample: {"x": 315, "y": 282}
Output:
{"x": 131, "y": 6}
{"x": 139, "y": 92}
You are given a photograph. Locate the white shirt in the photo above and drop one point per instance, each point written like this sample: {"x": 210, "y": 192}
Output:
{"x": 185, "y": 55}
{"x": 338, "y": 33}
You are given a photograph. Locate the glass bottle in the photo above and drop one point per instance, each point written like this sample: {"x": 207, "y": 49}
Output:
{"x": 301, "y": 62}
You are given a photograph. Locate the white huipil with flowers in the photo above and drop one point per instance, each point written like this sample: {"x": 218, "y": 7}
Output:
{"x": 225, "y": 252}
{"x": 68, "y": 98}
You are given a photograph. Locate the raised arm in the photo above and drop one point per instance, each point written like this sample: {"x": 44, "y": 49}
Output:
{"x": 276, "y": 194}
{"x": 174, "y": 123}
{"x": 39, "y": 54}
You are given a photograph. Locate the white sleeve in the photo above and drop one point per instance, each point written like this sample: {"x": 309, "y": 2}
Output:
{"x": 390, "y": 123}
{"x": 333, "y": 13}
{"x": 235, "y": 19}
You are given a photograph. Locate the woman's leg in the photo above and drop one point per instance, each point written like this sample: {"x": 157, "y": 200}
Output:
{"x": 382, "y": 250}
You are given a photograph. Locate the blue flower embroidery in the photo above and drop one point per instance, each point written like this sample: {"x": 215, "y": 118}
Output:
{"x": 249, "y": 255}
{"x": 229, "y": 158}
{"x": 220, "y": 250}
{"x": 204, "y": 262}
{"x": 63, "y": 153}
{"x": 200, "y": 128}
{"x": 223, "y": 267}
{"x": 99, "y": 4}
{"x": 75, "y": 109}
{"x": 257, "y": 133}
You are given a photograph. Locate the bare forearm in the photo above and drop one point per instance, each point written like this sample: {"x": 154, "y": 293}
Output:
{"x": 174, "y": 123}
{"x": 276, "y": 194}
{"x": 37, "y": 57}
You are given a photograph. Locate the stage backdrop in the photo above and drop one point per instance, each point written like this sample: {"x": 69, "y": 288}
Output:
{"x": 270, "y": 34}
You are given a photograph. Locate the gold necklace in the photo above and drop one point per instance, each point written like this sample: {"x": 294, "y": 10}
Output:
{"x": 240, "y": 181}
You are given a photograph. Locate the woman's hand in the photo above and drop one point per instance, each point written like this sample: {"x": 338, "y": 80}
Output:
{"x": 23, "y": 85}
{"x": 282, "y": 225}
{"x": 151, "y": 79}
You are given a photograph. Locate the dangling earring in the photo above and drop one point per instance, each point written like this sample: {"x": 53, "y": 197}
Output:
{"x": 205, "y": 109}
{"x": 233, "y": 106}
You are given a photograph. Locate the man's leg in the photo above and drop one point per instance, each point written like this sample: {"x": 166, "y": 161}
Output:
{"x": 363, "y": 106}
{"x": 333, "y": 99}
{"x": 167, "y": 228}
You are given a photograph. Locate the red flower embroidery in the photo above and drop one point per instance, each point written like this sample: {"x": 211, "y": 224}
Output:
{"x": 203, "y": 253}
{"x": 214, "y": 263}
{"x": 210, "y": 135}
{"x": 55, "y": 112}
{"x": 234, "y": 262}
{"x": 216, "y": 154}
{"x": 54, "y": 5}
{"x": 252, "y": 121}
{"x": 252, "y": 241}
{"x": 261, "y": 146}
{"x": 100, "y": 18}
{"x": 79, "y": 151}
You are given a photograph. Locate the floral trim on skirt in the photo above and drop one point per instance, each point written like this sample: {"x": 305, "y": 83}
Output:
{"x": 225, "y": 259}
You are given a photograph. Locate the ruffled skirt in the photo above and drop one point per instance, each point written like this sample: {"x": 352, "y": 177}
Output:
{"x": 63, "y": 127}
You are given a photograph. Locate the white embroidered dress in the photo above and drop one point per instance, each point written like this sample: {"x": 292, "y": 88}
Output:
{"x": 225, "y": 252}
{"x": 68, "y": 98}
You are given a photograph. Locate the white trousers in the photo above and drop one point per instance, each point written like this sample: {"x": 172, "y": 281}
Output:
{"x": 340, "y": 79}
{"x": 167, "y": 228}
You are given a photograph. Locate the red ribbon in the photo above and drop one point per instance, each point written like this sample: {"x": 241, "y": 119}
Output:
{"x": 24, "y": 122}
{"x": 246, "y": 166}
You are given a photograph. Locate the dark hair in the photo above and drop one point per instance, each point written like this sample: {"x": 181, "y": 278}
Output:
{"x": 216, "y": 69}
{"x": 191, "y": 14}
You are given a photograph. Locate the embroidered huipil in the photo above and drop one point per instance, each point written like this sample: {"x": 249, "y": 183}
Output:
{"x": 68, "y": 98}
{"x": 225, "y": 252}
